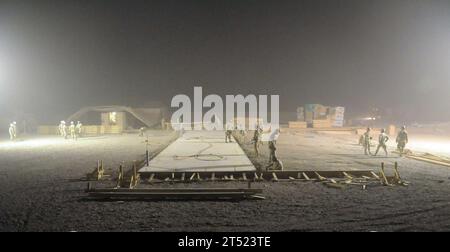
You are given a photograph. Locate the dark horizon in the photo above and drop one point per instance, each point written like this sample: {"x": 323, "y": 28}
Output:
{"x": 56, "y": 57}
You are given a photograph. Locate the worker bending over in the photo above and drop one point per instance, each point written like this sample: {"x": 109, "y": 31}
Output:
{"x": 274, "y": 162}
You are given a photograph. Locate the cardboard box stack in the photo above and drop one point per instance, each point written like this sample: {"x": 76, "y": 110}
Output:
{"x": 298, "y": 125}
{"x": 337, "y": 116}
{"x": 320, "y": 116}
{"x": 321, "y": 123}
{"x": 320, "y": 112}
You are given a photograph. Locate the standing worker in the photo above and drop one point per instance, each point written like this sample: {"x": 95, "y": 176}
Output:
{"x": 228, "y": 132}
{"x": 79, "y": 129}
{"x": 15, "y": 129}
{"x": 242, "y": 130}
{"x": 256, "y": 139}
{"x": 60, "y": 128}
{"x": 63, "y": 129}
{"x": 12, "y": 131}
{"x": 382, "y": 140}
{"x": 402, "y": 140}
{"x": 366, "y": 142}
{"x": 72, "y": 131}
{"x": 141, "y": 131}
{"x": 163, "y": 123}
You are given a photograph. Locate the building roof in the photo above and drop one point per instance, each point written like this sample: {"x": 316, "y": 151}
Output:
{"x": 148, "y": 116}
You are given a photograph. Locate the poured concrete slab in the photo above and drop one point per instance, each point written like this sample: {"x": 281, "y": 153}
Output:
{"x": 200, "y": 151}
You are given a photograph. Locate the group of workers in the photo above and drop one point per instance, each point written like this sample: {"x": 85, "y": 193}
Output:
{"x": 383, "y": 138}
{"x": 74, "y": 131}
{"x": 274, "y": 163}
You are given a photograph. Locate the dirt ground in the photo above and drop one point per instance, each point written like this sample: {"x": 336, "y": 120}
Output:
{"x": 41, "y": 190}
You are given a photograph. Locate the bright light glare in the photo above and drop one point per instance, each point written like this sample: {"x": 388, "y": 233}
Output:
{"x": 431, "y": 146}
{"x": 439, "y": 146}
{"x": 2, "y": 72}
{"x": 32, "y": 143}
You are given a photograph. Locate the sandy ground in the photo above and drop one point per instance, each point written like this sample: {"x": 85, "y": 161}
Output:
{"x": 40, "y": 190}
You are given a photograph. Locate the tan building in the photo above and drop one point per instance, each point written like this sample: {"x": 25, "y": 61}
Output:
{"x": 112, "y": 119}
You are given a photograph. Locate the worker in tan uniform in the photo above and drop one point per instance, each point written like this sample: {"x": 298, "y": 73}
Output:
{"x": 79, "y": 129}
{"x": 163, "y": 123}
{"x": 63, "y": 129}
{"x": 72, "y": 130}
{"x": 366, "y": 142}
{"x": 256, "y": 139}
{"x": 402, "y": 140}
{"x": 142, "y": 131}
{"x": 228, "y": 132}
{"x": 12, "y": 131}
{"x": 382, "y": 140}
{"x": 274, "y": 162}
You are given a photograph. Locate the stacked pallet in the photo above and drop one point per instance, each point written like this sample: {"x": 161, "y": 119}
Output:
{"x": 92, "y": 130}
{"x": 47, "y": 130}
{"x": 337, "y": 116}
{"x": 112, "y": 129}
{"x": 321, "y": 123}
{"x": 297, "y": 125}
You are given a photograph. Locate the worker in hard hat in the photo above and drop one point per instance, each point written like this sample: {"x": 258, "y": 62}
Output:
{"x": 62, "y": 129}
{"x": 366, "y": 142}
{"x": 402, "y": 140}
{"x": 242, "y": 130}
{"x": 15, "y": 129}
{"x": 12, "y": 131}
{"x": 382, "y": 140}
{"x": 163, "y": 123}
{"x": 361, "y": 140}
{"x": 228, "y": 132}
{"x": 274, "y": 162}
{"x": 79, "y": 129}
{"x": 257, "y": 139}
{"x": 141, "y": 131}
{"x": 72, "y": 131}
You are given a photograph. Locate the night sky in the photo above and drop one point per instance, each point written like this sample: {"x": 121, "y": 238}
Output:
{"x": 57, "y": 56}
